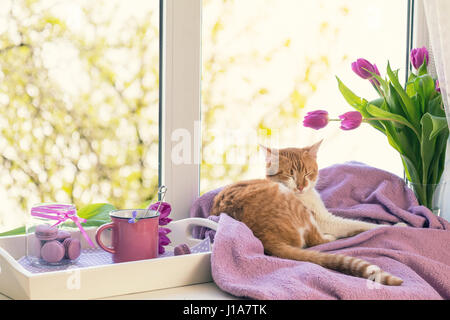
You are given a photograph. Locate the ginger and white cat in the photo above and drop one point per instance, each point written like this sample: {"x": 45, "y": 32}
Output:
{"x": 286, "y": 213}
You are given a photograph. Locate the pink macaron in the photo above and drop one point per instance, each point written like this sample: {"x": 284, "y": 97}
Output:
{"x": 62, "y": 235}
{"x": 52, "y": 251}
{"x": 46, "y": 232}
{"x": 181, "y": 249}
{"x": 72, "y": 248}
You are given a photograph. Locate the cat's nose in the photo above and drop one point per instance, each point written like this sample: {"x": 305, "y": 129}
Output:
{"x": 300, "y": 188}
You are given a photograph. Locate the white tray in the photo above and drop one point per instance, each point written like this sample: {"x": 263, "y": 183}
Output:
{"x": 108, "y": 280}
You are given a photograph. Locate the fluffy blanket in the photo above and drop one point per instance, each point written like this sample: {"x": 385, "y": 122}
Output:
{"x": 419, "y": 254}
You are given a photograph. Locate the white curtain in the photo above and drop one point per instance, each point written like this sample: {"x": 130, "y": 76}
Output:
{"x": 437, "y": 13}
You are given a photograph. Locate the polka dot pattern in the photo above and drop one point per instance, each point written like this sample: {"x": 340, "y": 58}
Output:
{"x": 97, "y": 257}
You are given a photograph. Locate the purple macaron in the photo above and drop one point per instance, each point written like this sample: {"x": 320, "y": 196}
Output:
{"x": 62, "y": 235}
{"x": 72, "y": 248}
{"x": 46, "y": 232}
{"x": 181, "y": 249}
{"x": 52, "y": 251}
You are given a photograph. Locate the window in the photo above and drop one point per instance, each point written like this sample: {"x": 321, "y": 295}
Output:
{"x": 81, "y": 81}
{"x": 267, "y": 63}
{"x": 79, "y": 95}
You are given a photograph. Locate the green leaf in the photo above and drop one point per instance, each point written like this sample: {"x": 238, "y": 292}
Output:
{"x": 383, "y": 83}
{"x": 397, "y": 119}
{"x": 359, "y": 104}
{"x": 95, "y": 210}
{"x": 427, "y": 145}
{"x": 423, "y": 68}
{"x": 435, "y": 106}
{"x": 410, "y": 169}
{"x": 410, "y": 109}
{"x": 14, "y": 232}
{"x": 352, "y": 99}
{"x": 410, "y": 85}
{"x": 394, "y": 101}
{"x": 437, "y": 124}
{"x": 424, "y": 86}
{"x": 95, "y": 214}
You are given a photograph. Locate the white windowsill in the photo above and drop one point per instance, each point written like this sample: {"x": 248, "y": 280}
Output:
{"x": 203, "y": 291}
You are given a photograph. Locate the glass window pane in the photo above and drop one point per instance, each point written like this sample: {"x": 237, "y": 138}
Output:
{"x": 267, "y": 63}
{"x": 78, "y": 103}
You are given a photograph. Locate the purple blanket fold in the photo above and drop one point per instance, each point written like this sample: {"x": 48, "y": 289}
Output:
{"x": 419, "y": 254}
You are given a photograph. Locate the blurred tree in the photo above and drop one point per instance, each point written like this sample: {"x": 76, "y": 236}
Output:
{"x": 250, "y": 113}
{"x": 78, "y": 108}
{"x": 79, "y": 100}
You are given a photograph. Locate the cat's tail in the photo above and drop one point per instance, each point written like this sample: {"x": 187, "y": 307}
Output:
{"x": 339, "y": 262}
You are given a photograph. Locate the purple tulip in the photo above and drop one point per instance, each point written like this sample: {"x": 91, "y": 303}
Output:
{"x": 438, "y": 88}
{"x": 316, "y": 119}
{"x": 163, "y": 239}
{"x": 362, "y": 68}
{"x": 164, "y": 212}
{"x": 417, "y": 57}
{"x": 350, "y": 120}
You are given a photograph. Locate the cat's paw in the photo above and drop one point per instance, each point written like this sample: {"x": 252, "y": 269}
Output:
{"x": 329, "y": 237}
{"x": 400, "y": 224}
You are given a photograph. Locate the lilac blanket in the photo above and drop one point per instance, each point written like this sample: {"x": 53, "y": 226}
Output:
{"x": 419, "y": 254}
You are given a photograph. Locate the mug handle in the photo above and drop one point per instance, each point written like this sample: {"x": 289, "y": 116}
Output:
{"x": 98, "y": 234}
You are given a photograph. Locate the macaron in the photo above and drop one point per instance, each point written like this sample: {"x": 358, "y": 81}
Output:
{"x": 46, "y": 232}
{"x": 72, "y": 248}
{"x": 52, "y": 251}
{"x": 62, "y": 235}
{"x": 181, "y": 249}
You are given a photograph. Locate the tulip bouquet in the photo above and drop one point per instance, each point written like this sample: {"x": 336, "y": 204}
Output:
{"x": 412, "y": 117}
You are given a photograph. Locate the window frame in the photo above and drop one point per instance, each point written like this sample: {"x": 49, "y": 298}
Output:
{"x": 180, "y": 100}
{"x": 180, "y": 93}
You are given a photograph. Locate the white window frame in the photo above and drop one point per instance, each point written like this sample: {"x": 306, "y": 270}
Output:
{"x": 180, "y": 101}
{"x": 180, "y": 95}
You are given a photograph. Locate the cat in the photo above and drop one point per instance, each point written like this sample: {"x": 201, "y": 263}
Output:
{"x": 285, "y": 212}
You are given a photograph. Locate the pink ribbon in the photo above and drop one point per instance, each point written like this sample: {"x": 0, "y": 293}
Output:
{"x": 61, "y": 213}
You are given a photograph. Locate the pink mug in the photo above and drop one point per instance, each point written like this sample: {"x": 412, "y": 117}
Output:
{"x": 131, "y": 241}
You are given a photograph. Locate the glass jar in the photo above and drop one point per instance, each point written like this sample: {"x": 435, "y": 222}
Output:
{"x": 49, "y": 242}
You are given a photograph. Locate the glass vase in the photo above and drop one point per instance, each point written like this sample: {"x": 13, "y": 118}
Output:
{"x": 432, "y": 196}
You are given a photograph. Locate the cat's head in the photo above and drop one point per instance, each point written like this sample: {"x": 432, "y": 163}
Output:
{"x": 296, "y": 168}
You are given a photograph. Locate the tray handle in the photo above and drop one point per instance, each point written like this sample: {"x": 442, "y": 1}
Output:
{"x": 182, "y": 229}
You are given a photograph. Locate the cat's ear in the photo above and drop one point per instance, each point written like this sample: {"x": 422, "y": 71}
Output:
{"x": 267, "y": 152}
{"x": 272, "y": 160}
{"x": 312, "y": 150}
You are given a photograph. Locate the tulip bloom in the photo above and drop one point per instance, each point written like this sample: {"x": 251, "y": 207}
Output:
{"x": 362, "y": 68}
{"x": 163, "y": 239}
{"x": 350, "y": 120}
{"x": 316, "y": 119}
{"x": 417, "y": 56}
{"x": 164, "y": 212}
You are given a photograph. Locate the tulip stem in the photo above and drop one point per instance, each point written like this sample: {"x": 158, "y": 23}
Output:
{"x": 394, "y": 120}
